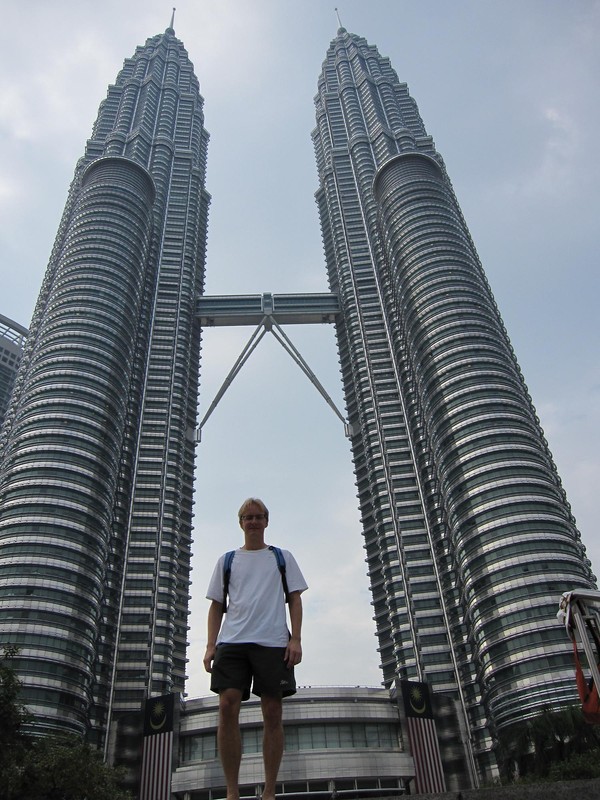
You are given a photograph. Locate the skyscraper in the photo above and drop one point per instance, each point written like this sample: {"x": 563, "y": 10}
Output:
{"x": 97, "y": 455}
{"x": 469, "y": 538}
{"x": 12, "y": 338}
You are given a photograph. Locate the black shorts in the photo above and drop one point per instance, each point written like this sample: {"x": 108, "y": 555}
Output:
{"x": 239, "y": 666}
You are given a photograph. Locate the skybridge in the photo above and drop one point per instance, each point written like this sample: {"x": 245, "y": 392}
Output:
{"x": 251, "y": 309}
{"x": 267, "y": 313}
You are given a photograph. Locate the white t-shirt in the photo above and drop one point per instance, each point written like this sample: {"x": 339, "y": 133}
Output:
{"x": 255, "y": 600}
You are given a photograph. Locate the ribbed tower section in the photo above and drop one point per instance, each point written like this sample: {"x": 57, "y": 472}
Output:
{"x": 96, "y": 476}
{"x": 469, "y": 538}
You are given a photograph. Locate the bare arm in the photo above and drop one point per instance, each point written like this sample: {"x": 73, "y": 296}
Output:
{"x": 215, "y": 617}
{"x": 293, "y": 653}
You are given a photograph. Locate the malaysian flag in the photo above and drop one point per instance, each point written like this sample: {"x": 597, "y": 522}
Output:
{"x": 429, "y": 775}
{"x": 157, "y": 753}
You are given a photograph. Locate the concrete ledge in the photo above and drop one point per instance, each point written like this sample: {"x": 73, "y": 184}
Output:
{"x": 561, "y": 790}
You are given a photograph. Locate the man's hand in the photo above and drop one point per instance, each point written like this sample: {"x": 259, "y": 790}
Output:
{"x": 293, "y": 652}
{"x": 215, "y": 617}
{"x": 209, "y": 656}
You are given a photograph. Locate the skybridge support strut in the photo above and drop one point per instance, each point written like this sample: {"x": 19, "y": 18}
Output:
{"x": 269, "y": 311}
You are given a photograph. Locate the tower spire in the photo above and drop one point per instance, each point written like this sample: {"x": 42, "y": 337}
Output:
{"x": 337, "y": 13}
{"x": 172, "y": 23}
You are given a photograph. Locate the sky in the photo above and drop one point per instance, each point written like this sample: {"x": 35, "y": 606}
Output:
{"x": 509, "y": 91}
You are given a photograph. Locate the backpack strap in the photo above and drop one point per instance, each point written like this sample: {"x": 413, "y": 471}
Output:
{"x": 281, "y": 565}
{"x": 226, "y": 575}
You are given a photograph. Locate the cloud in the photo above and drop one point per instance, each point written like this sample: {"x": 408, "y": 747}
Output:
{"x": 15, "y": 121}
{"x": 231, "y": 58}
{"x": 55, "y": 92}
{"x": 557, "y": 167}
{"x": 11, "y": 191}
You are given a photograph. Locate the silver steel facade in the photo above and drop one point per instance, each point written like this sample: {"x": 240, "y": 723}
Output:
{"x": 469, "y": 538}
{"x": 96, "y": 475}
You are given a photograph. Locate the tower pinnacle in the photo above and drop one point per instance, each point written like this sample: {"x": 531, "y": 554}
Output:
{"x": 172, "y": 23}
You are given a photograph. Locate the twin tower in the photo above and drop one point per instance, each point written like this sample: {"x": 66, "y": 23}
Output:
{"x": 469, "y": 538}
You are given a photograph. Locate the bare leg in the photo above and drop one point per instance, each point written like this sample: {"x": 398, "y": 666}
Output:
{"x": 272, "y": 742}
{"x": 229, "y": 739}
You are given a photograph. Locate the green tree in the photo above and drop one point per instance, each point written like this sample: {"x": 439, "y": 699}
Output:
{"x": 64, "y": 768}
{"x": 46, "y": 767}
{"x": 13, "y": 715}
{"x": 536, "y": 748}
{"x": 580, "y": 766}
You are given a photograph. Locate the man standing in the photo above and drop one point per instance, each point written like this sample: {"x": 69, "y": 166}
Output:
{"x": 253, "y": 647}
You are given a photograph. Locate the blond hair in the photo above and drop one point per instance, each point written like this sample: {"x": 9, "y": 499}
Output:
{"x": 253, "y": 501}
